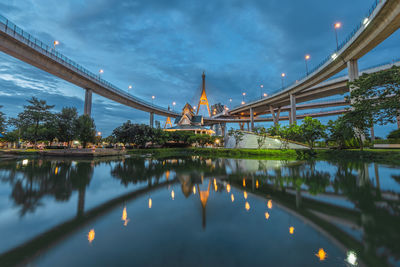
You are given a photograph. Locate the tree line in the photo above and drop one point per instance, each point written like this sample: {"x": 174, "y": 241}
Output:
{"x": 37, "y": 123}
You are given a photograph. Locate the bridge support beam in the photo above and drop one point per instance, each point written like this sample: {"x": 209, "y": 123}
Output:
{"x": 292, "y": 113}
{"x": 352, "y": 68}
{"x": 152, "y": 119}
{"x": 372, "y": 133}
{"x": 251, "y": 119}
{"x": 87, "y": 109}
{"x": 275, "y": 116}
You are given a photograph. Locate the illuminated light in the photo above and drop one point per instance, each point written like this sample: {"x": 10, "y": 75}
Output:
{"x": 366, "y": 21}
{"x": 247, "y": 206}
{"x": 194, "y": 190}
{"x": 244, "y": 182}
{"x": 283, "y": 75}
{"x": 243, "y": 102}
{"x": 334, "y": 56}
{"x": 232, "y": 198}
{"x": 215, "y": 181}
{"x": 262, "y": 86}
{"x": 215, "y": 188}
{"x": 265, "y": 94}
{"x": 172, "y": 194}
{"x": 56, "y": 43}
{"x": 194, "y": 107}
{"x": 291, "y": 230}
{"x": 266, "y": 215}
{"x": 150, "y": 203}
{"x": 56, "y": 171}
{"x": 130, "y": 87}
{"x": 101, "y": 71}
{"x": 338, "y": 25}
{"x": 307, "y": 57}
{"x": 351, "y": 257}
{"x": 257, "y": 184}
{"x": 167, "y": 175}
{"x": 125, "y": 216}
{"x": 153, "y": 97}
{"x": 228, "y": 188}
{"x": 99, "y": 133}
{"x": 91, "y": 235}
{"x": 321, "y": 254}
{"x": 25, "y": 162}
{"x": 243, "y": 94}
{"x": 245, "y": 195}
{"x": 269, "y": 204}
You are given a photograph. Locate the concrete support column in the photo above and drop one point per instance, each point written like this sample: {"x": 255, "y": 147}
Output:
{"x": 352, "y": 68}
{"x": 275, "y": 116}
{"x": 152, "y": 119}
{"x": 372, "y": 133}
{"x": 248, "y": 126}
{"x": 251, "y": 119}
{"x": 223, "y": 126}
{"x": 87, "y": 109}
{"x": 292, "y": 114}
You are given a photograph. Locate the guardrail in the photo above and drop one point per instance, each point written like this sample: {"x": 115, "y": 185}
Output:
{"x": 14, "y": 31}
{"x": 315, "y": 69}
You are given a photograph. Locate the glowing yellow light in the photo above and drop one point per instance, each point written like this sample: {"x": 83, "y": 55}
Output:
{"x": 125, "y": 216}
{"x": 247, "y": 206}
{"x": 244, "y": 182}
{"x": 101, "y": 71}
{"x": 215, "y": 188}
{"x": 307, "y": 57}
{"x": 91, "y": 235}
{"x": 215, "y": 181}
{"x": 338, "y": 25}
{"x": 150, "y": 203}
{"x": 291, "y": 230}
{"x": 167, "y": 175}
{"x": 56, "y": 170}
{"x": 228, "y": 188}
{"x": 56, "y": 42}
{"x": 269, "y": 204}
{"x": 266, "y": 215}
{"x": 172, "y": 194}
{"x": 283, "y": 75}
{"x": 321, "y": 254}
{"x": 232, "y": 198}
{"x": 256, "y": 183}
{"x": 25, "y": 162}
{"x": 194, "y": 190}
{"x": 245, "y": 195}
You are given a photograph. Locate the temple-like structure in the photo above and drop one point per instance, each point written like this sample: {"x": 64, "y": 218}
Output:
{"x": 188, "y": 121}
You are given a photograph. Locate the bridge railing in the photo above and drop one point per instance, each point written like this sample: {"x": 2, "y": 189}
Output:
{"x": 16, "y": 32}
{"x": 327, "y": 59}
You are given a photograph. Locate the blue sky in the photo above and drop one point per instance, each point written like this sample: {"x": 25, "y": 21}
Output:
{"x": 161, "y": 48}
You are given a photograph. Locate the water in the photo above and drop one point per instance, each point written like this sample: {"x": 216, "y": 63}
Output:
{"x": 194, "y": 211}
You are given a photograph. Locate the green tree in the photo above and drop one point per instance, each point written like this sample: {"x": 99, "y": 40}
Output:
{"x": 340, "y": 131}
{"x": 3, "y": 125}
{"x": 395, "y": 134}
{"x": 261, "y": 136}
{"x": 237, "y": 135}
{"x": 32, "y": 121}
{"x": 360, "y": 121}
{"x": 66, "y": 122}
{"x": 292, "y": 132}
{"x": 312, "y": 130}
{"x": 85, "y": 129}
{"x": 274, "y": 130}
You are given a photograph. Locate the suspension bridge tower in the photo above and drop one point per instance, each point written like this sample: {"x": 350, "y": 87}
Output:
{"x": 203, "y": 98}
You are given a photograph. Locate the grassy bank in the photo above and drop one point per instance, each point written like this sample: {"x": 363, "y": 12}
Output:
{"x": 384, "y": 156}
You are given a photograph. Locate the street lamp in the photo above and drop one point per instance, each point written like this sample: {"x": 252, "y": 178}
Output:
{"x": 98, "y": 133}
{"x": 306, "y": 58}
{"x": 152, "y": 99}
{"x": 230, "y": 102}
{"x": 283, "y": 77}
{"x": 265, "y": 94}
{"x": 173, "y": 105}
{"x": 337, "y": 25}
{"x": 129, "y": 88}
{"x": 243, "y": 94}
{"x": 55, "y": 43}
{"x": 101, "y": 71}
{"x": 261, "y": 88}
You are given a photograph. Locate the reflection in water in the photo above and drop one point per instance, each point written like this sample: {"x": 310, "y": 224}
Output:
{"x": 321, "y": 254}
{"x": 351, "y": 206}
{"x": 90, "y": 236}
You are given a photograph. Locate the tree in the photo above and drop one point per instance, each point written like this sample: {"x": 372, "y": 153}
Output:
{"x": 395, "y": 134}
{"x": 66, "y": 122}
{"x": 3, "y": 125}
{"x": 360, "y": 121}
{"x": 237, "y": 135}
{"x": 340, "y": 131}
{"x": 291, "y": 132}
{"x": 312, "y": 130}
{"x": 274, "y": 130}
{"x": 32, "y": 121}
{"x": 261, "y": 136}
{"x": 377, "y": 95}
{"x": 85, "y": 129}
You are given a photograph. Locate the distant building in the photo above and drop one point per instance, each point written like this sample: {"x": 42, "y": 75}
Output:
{"x": 188, "y": 121}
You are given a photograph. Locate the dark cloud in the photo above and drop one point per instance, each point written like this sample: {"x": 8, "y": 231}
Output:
{"x": 161, "y": 47}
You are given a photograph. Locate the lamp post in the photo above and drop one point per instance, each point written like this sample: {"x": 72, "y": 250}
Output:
{"x": 129, "y": 88}
{"x": 243, "y": 94}
{"x": 337, "y": 25}
{"x": 306, "y": 58}
{"x": 101, "y": 71}
{"x": 230, "y": 103}
{"x": 283, "y": 77}
{"x": 55, "y": 43}
{"x": 173, "y": 105}
{"x": 261, "y": 89}
{"x": 152, "y": 99}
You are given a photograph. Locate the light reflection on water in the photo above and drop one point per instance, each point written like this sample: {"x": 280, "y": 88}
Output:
{"x": 342, "y": 209}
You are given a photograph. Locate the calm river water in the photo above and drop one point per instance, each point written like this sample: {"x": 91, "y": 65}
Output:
{"x": 194, "y": 211}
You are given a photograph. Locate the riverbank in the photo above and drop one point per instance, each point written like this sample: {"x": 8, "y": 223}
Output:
{"x": 87, "y": 152}
{"x": 384, "y": 156}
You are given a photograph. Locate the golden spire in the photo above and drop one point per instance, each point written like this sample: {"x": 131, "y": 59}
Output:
{"x": 203, "y": 98}
{"x": 168, "y": 122}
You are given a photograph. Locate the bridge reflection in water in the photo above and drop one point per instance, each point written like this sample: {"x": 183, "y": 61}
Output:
{"x": 346, "y": 202}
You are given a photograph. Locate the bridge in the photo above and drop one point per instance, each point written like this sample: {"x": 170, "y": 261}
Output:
{"x": 382, "y": 20}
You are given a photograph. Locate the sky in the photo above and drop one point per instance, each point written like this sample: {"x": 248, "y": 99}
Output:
{"x": 162, "y": 47}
